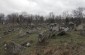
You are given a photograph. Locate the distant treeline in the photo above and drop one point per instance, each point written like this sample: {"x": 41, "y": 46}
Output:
{"x": 77, "y": 16}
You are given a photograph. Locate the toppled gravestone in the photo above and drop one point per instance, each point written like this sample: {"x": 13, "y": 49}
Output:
{"x": 12, "y": 48}
{"x": 44, "y": 36}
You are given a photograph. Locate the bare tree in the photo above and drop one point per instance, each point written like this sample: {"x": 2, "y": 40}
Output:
{"x": 1, "y": 17}
{"x": 78, "y": 14}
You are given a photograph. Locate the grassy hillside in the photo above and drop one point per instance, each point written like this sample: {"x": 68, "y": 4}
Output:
{"x": 71, "y": 44}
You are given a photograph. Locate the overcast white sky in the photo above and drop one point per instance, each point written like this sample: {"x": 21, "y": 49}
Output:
{"x": 39, "y": 6}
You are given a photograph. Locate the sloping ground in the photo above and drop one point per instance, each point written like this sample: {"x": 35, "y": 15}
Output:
{"x": 71, "y": 44}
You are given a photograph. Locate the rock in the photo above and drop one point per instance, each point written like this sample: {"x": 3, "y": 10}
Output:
{"x": 12, "y": 48}
{"x": 26, "y": 44}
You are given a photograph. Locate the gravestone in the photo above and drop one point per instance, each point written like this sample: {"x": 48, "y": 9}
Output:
{"x": 71, "y": 26}
{"x": 79, "y": 27}
{"x": 40, "y": 38}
